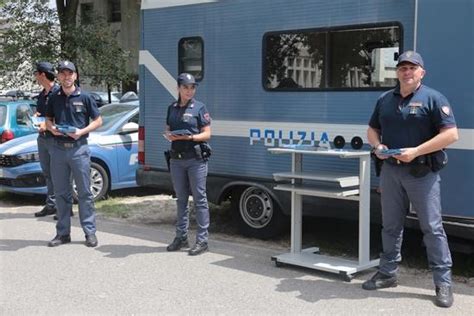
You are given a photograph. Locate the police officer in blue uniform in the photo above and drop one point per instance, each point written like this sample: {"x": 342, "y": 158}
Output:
{"x": 187, "y": 166}
{"x": 44, "y": 75}
{"x": 71, "y": 115}
{"x": 419, "y": 121}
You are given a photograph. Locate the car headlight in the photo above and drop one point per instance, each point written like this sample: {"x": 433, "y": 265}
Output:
{"x": 29, "y": 157}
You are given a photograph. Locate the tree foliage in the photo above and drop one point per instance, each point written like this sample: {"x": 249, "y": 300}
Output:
{"x": 36, "y": 32}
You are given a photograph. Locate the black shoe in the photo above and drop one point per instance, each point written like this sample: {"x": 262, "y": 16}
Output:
{"x": 198, "y": 248}
{"x": 56, "y": 216}
{"x": 47, "y": 210}
{"x": 444, "y": 296}
{"x": 380, "y": 281}
{"x": 59, "y": 240}
{"x": 91, "y": 240}
{"x": 178, "y": 243}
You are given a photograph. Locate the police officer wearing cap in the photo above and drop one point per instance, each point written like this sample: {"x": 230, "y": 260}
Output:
{"x": 187, "y": 166}
{"x": 71, "y": 115}
{"x": 419, "y": 121}
{"x": 44, "y": 75}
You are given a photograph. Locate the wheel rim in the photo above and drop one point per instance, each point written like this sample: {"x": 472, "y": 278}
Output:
{"x": 256, "y": 207}
{"x": 96, "y": 185}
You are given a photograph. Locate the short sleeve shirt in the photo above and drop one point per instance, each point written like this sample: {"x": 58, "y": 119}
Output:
{"x": 75, "y": 110}
{"x": 191, "y": 117}
{"x": 413, "y": 120}
{"x": 43, "y": 98}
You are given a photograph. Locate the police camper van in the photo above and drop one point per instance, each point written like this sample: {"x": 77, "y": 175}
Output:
{"x": 277, "y": 72}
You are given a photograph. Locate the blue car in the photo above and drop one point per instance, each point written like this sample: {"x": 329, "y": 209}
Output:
{"x": 15, "y": 119}
{"x": 114, "y": 151}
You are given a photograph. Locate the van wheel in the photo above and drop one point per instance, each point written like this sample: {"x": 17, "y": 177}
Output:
{"x": 256, "y": 213}
{"x": 99, "y": 183}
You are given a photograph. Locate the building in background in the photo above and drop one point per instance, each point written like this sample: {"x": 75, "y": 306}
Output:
{"x": 124, "y": 19}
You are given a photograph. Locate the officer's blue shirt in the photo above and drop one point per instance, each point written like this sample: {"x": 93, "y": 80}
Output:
{"x": 192, "y": 117}
{"x": 43, "y": 97}
{"x": 75, "y": 110}
{"x": 413, "y": 120}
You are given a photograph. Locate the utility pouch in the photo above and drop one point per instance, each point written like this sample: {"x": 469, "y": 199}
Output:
{"x": 203, "y": 151}
{"x": 420, "y": 167}
{"x": 438, "y": 160}
{"x": 378, "y": 163}
{"x": 167, "y": 158}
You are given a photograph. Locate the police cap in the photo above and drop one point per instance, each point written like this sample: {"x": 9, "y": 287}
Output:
{"x": 411, "y": 57}
{"x": 44, "y": 66}
{"x": 66, "y": 64}
{"x": 186, "y": 78}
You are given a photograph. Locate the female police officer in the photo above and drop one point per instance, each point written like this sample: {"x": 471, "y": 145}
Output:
{"x": 187, "y": 166}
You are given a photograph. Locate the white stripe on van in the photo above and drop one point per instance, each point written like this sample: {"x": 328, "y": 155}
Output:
{"x": 158, "y": 4}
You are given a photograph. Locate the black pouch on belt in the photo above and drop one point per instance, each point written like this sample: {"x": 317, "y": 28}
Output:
{"x": 420, "y": 167}
{"x": 167, "y": 158}
{"x": 438, "y": 160}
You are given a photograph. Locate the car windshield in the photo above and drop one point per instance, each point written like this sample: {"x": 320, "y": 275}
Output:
{"x": 3, "y": 114}
{"x": 112, "y": 113}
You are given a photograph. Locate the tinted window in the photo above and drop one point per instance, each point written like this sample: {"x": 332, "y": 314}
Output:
{"x": 112, "y": 113}
{"x": 336, "y": 58}
{"x": 190, "y": 56}
{"x": 23, "y": 114}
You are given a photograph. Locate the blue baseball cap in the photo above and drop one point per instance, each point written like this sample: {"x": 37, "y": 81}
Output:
{"x": 66, "y": 64}
{"x": 44, "y": 66}
{"x": 411, "y": 57}
{"x": 186, "y": 78}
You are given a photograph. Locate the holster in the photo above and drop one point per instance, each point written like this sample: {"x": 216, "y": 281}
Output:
{"x": 203, "y": 151}
{"x": 438, "y": 160}
{"x": 377, "y": 163}
{"x": 167, "y": 158}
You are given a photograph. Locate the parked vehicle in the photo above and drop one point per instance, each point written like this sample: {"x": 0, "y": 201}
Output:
{"x": 102, "y": 97}
{"x": 15, "y": 119}
{"x": 292, "y": 74}
{"x": 113, "y": 156}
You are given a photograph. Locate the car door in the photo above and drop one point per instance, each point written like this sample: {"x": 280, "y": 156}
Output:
{"x": 127, "y": 153}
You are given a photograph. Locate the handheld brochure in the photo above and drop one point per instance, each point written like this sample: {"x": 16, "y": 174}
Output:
{"x": 391, "y": 152}
{"x": 66, "y": 129}
{"x": 180, "y": 132}
{"x": 37, "y": 121}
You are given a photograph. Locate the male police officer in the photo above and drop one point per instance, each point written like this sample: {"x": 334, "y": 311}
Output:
{"x": 71, "y": 110}
{"x": 44, "y": 75}
{"x": 419, "y": 121}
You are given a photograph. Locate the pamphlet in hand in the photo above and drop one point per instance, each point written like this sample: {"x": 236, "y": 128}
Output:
{"x": 66, "y": 129}
{"x": 37, "y": 120}
{"x": 180, "y": 132}
{"x": 391, "y": 152}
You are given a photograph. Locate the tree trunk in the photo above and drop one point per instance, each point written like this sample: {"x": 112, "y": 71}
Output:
{"x": 67, "y": 11}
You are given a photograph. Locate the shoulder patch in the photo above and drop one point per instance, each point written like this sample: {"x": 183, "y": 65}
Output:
{"x": 446, "y": 110}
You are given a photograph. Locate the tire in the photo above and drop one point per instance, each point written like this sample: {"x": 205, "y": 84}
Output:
{"x": 99, "y": 183}
{"x": 256, "y": 213}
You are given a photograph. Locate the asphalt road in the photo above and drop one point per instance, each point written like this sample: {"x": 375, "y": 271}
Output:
{"x": 130, "y": 272}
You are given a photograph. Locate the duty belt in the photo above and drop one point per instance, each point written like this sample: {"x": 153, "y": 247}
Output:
{"x": 182, "y": 155}
{"x": 71, "y": 144}
{"x": 417, "y": 161}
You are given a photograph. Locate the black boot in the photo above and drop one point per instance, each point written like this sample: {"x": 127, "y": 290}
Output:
{"x": 47, "y": 210}
{"x": 178, "y": 243}
{"x": 444, "y": 296}
{"x": 59, "y": 240}
{"x": 198, "y": 248}
{"x": 380, "y": 281}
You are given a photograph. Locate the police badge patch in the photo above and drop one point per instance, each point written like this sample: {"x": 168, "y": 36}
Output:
{"x": 446, "y": 110}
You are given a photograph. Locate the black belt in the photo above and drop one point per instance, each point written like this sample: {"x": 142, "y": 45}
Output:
{"x": 45, "y": 134}
{"x": 71, "y": 144}
{"x": 182, "y": 155}
{"x": 421, "y": 160}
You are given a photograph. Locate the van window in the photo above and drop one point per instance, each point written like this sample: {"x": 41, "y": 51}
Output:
{"x": 191, "y": 57}
{"x": 356, "y": 57}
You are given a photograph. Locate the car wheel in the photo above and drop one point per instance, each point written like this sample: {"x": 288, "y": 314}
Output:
{"x": 99, "y": 183}
{"x": 256, "y": 213}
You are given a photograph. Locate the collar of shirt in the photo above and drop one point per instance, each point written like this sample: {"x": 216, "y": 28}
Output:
{"x": 190, "y": 104}
{"x": 76, "y": 92}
